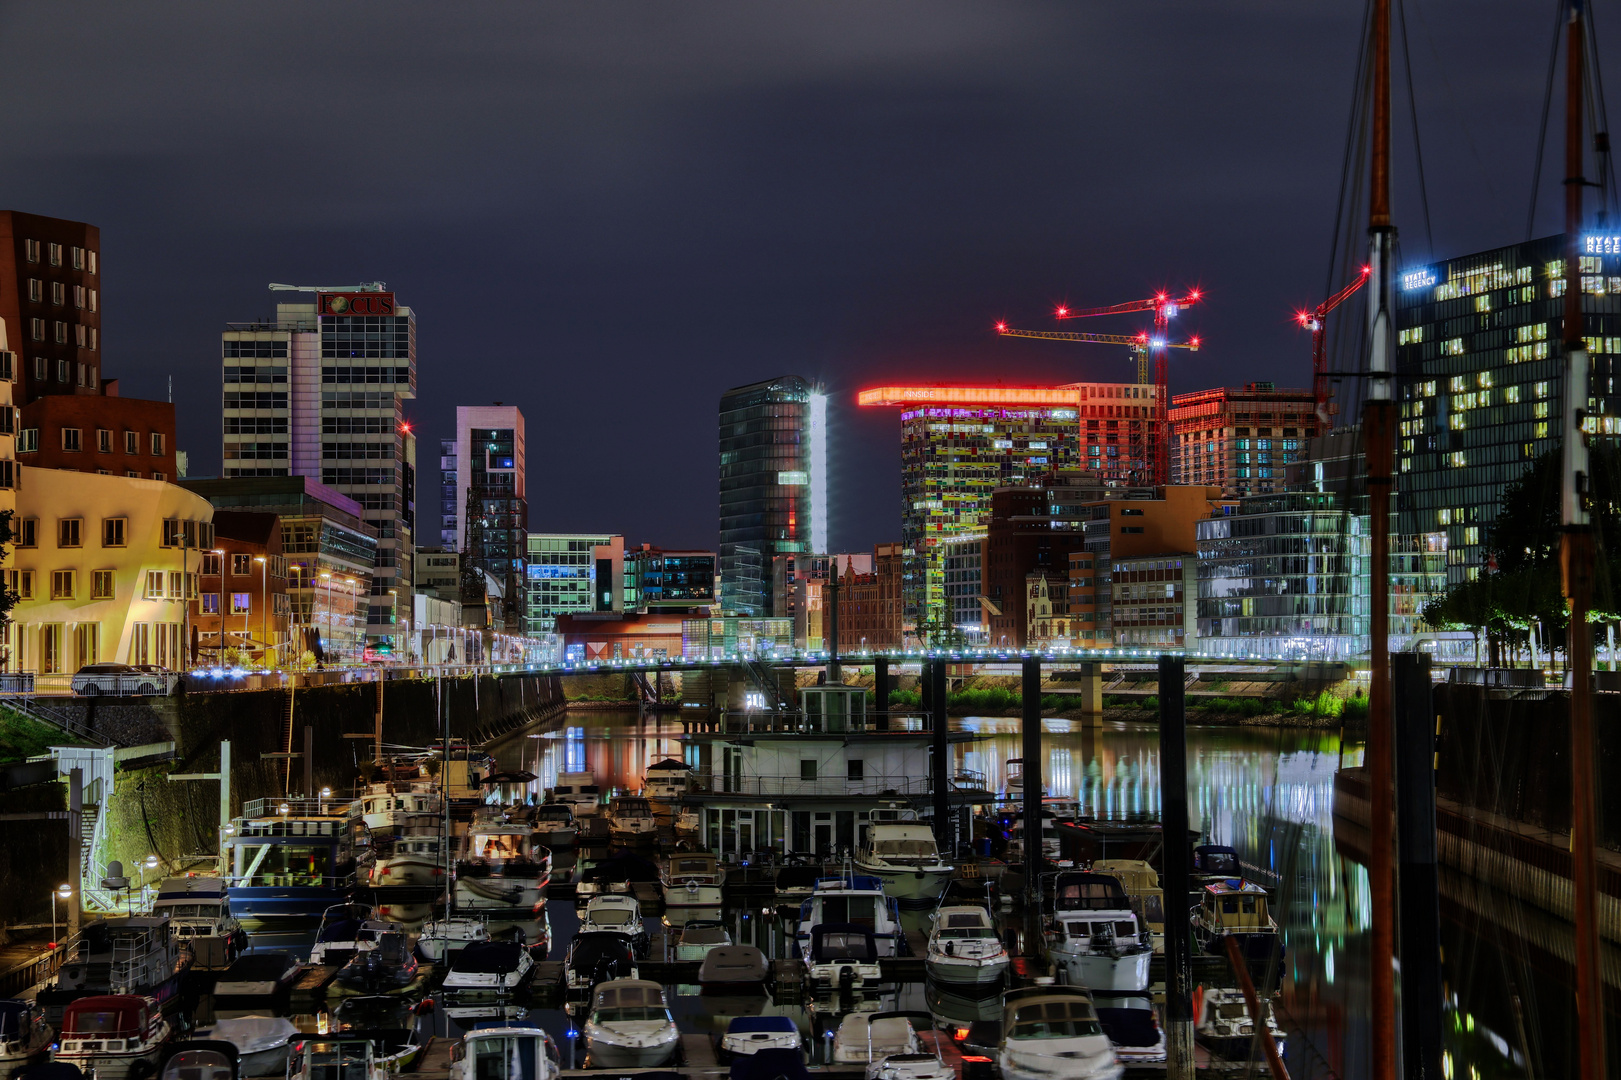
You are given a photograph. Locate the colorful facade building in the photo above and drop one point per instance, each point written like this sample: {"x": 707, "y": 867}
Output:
{"x": 242, "y": 603}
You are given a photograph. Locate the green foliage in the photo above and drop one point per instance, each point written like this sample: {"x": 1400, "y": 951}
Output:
{"x": 22, "y": 738}
{"x": 985, "y": 699}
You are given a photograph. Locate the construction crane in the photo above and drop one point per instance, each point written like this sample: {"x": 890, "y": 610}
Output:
{"x": 1315, "y": 321}
{"x": 1145, "y": 346}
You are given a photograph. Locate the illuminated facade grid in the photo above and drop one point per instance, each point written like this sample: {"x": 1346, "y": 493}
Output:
{"x": 1480, "y": 361}
{"x": 1240, "y": 438}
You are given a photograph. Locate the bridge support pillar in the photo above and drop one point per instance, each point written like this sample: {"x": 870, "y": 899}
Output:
{"x": 1033, "y": 788}
{"x": 1173, "y": 779}
{"x": 1092, "y": 690}
{"x": 934, "y": 675}
{"x": 880, "y": 691}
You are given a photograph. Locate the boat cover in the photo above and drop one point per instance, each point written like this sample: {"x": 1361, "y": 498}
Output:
{"x": 770, "y": 1065}
{"x": 252, "y": 1033}
{"x": 488, "y": 958}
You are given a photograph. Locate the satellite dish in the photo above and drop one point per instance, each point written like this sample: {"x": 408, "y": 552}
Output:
{"x": 115, "y": 878}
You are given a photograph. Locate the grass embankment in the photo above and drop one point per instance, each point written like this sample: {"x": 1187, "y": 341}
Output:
{"x": 984, "y": 699}
{"x": 1325, "y": 706}
{"x": 22, "y": 738}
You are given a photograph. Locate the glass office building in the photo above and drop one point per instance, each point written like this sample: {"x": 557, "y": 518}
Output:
{"x": 1480, "y": 363}
{"x": 773, "y": 485}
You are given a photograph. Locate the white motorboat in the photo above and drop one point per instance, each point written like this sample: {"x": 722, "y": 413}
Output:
{"x": 25, "y": 1036}
{"x": 1094, "y": 937}
{"x": 630, "y": 1026}
{"x": 1132, "y": 1024}
{"x": 498, "y": 967}
{"x": 415, "y": 858}
{"x": 199, "y": 912}
{"x": 345, "y": 930}
{"x": 697, "y": 938}
{"x": 751, "y": 1034}
{"x": 1224, "y": 1025}
{"x": 631, "y": 820}
{"x": 616, "y": 915}
{"x": 905, "y": 858}
{"x": 579, "y": 792}
{"x": 692, "y": 882}
{"x": 1236, "y": 909}
{"x": 501, "y": 868}
{"x": 441, "y": 937}
{"x": 918, "y": 1064}
{"x": 852, "y": 898}
{"x": 337, "y": 1055}
{"x": 507, "y": 1049}
{"x": 666, "y": 781}
{"x": 842, "y": 956}
{"x": 733, "y": 968}
{"x": 1052, "y": 1031}
{"x": 863, "y": 1038}
{"x": 200, "y": 1059}
{"x": 555, "y": 825}
{"x": 597, "y": 958}
{"x": 1141, "y": 883}
{"x": 964, "y": 947}
{"x": 113, "y": 1036}
{"x": 687, "y": 824}
{"x": 262, "y": 1042}
{"x": 392, "y": 806}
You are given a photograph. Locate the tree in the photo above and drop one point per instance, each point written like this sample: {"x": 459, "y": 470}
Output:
{"x": 8, "y": 598}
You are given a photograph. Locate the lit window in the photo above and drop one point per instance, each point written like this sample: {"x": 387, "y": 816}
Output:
{"x": 101, "y": 585}
{"x": 62, "y": 584}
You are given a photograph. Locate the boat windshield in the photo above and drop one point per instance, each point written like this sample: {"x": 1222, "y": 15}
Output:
{"x": 1220, "y": 863}
{"x": 911, "y": 848}
{"x": 187, "y": 911}
{"x": 861, "y": 910}
{"x": 840, "y": 946}
{"x": 612, "y": 916}
{"x": 553, "y": 813}
{"x": 499, "y": 846}
{"x": 199, "y": 1065}
{"x": 338, "y": 1061}
{"x": 1120, "y": 929}
{"x": 1055, "y": 1020}
{"x": 632, "y": 1014}
{"x": 283, "y": 864}
{"x": 1232, "y": 1010}
{"x": 493, "y": 1056}
{"x": 972, "y": 933}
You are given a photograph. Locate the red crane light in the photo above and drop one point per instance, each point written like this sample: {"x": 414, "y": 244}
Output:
{"x": 1062, "y": 311}
{"x": 1001, "y": 328}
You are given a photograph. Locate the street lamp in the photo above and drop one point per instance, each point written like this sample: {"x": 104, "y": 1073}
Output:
{"x": 151, "y": 863}
{"x": 63, "y": 893}
{"x": 264, "y": 602}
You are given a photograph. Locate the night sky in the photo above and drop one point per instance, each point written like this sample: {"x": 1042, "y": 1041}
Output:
{"x": 608, "y": 213}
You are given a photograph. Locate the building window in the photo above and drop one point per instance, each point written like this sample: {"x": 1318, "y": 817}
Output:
{"x": 104, "y": 441}
{"x": 101, "y": 585}
{"x": 112, "y": 531}
{"x": 61, "y": 332}
{"x": 87, "y": 639}
{"x": 36, "y": 329}
{"x": 90, "y": 262}
{"x": 132, "y": 474}
{"x": 72, "y": 439}
{"x": 241, "y": 603}
{"x": 68, "y": 532}
{"x": 28, "y": 440}
{"x": 80, "y": 340}
{"x": 95, "y": 299}
{"x": 36, "y": 290}
{"x": 154, "y": 585}
{"x": 807, "y": 769}
{"x": 58, "y": 293}
{"x": 211, "y": 564}
{"x": 31, "y": 250}
{"x": 160, "y": 476}
{"x": 78, "y": 258}
{"x": 24, "y": 584}
{"x": 132, "y": 443}
{"x": 54, "y": 251}
{"x": 211, "y": 603}
{"x": 50, "y": 648}
{"x": 61, "y": 584}
{"x": 241, "y": 565}
{"x": 177, "y": 585}
{"x": 157, "y": 444}
{"x": 855, "y": 769}
{"x": 64, "y": 372}
{"x": 28, "y": 532}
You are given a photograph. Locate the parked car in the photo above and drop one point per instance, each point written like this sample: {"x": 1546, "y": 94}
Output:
{"x": 122, "y": 680}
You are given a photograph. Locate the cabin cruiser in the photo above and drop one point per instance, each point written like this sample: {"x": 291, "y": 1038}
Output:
{"x": 597, "y": 957}
{"x": 631, "y": 821}
{"x": 345, "y": 930}
{"x": 1236, "y": 909}
{"x": 692, "y": 883}
{"x": 697, "y": 938}
{"x": 492, "y": 966}
{"x": 262, "y": 1042}
{"x": 667, "y": 780}
{"x": 1093, "y": 936}
{"x": 1147, "y": 899}
{"x": 751, "y": 1034}
{"x": 964, "y": 947}
{"x": 113, "y": 1035}
{"x": 441, "y": 937}
{"x": 555, "y": 825}
{"x": 501, "y": 868}
{"x": 863, "y": 1038}
{"x": 506, "y": 1049}
{"x": 630, "y": 1026}
{"x": 137, "y": 954}
{"x": 1054, "y": 1031}
{"x": 908, "y": 1064}
{"x": 199, "y": 913}
{"x": 416, "y": 857}
{"x": 1213, "y": 863}
{"x": 394, "y": 807}
{"x": 579, "y": 792}
{"x": 339, "y": 1056}
{"x": 1132, "y": 1024}
{"x": 25, "y": 1036}
{"x": 616, "y": 915}
{"x": 390, "y": 968}
{"x": 200, "y": 1059}
{"x": 905, "y": 858}
{"x": 733, "y": 967}
{"x": 1224, "y": 1025}
{"x": 842, "y": 956}
{"x": 852, "y": 898}
{"x": 289, "y": 858}
{"x": 258, "y": 982}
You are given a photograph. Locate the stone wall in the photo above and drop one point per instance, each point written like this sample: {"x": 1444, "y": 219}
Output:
{"x": 33, "y": 853}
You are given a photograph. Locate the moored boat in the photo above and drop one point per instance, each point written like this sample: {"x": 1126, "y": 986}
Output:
{"x": 137, "y": 954}
{"x": 852, "y": 898}
{"x": 25, "y": 1036}
{"x": 905, "y": 858}
{"x": 697, "y": 938}
{"x": 390, "y": 968}
{"x": 116, "y": 1036}
{"x": 631, "y": 820}
{"x": 1236, "y": 909}
{"x": 630, "y": 1026}
{"x": 692, "y": 882}
{"x": 289, "y": 858}
{"x": 262, "y": 1042}
{"x": 1093, "y": 936}
{"x": 964, "y": 947}
{"x": 504, "y": 1049}
{"x": 733, "y": 969}
{"x": 1223, "y": 1023}
{"x": 579, "y": 792}
{"x": 842, "y": 956}
{"x": 497, "y": 967}
{"x": 501, "y": 868}
{"x": 1052, "y": 1031}
{"x": 199, "y": 913}
{"x": 442, "y": 937}
{"x": 555, "y": 825}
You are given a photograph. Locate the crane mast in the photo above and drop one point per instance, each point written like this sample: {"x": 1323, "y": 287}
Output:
{"x": 1316, "y": 321}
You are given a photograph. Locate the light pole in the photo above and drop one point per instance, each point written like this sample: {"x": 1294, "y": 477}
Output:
{"x": 264, "y": 602}
{"x": 63, "y": 893}
{"x": 150, "y": 863}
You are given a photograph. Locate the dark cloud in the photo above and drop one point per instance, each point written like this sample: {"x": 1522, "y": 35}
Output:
{"x": 610, "y": 212}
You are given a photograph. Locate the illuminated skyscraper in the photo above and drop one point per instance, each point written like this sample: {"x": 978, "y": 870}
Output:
{"x": 773, "y": 485}
{"x": 1240, "y": 437}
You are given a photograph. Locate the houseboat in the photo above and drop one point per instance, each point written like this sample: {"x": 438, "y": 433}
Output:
{"x": 113, "y": 1037}
{"x": 137, "y": 955}
{"x": 501, "y": 868}
{"x": 904, "y": 857}
{"x": 1237, "y": 909}
{"x": 1093, "y": 936}
{"x": 579, "y": 792}
{"x": 852, "y": 898}
{"x": 289, "y": 858}
{"x": 692, "y": 882}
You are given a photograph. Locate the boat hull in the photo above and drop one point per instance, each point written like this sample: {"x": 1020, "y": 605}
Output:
{"x": 556, "y": 838}
{"x": 284, "y": 901}
{"x": 1123, "y": 974}
{"x": 606, "y": 1054}
{"x": 908, "y": 885}
{"x": 963, "y": 971}
{"x": 406, "y": 872}
{"x": 271, "y": 1061}
{"x": 499, "y": 893}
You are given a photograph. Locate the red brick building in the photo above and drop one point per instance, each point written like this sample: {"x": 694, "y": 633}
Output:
{"x": 50, "y": 297}
{"x": 870, "y": 605}
{"x": 113, "y": 435}
{"x": 242, "y": 590}
{"x": 1022, "y": 538}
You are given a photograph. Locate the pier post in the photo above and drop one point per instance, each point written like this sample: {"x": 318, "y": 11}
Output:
{"x": 1033, "y": 773}
{"x": 75, "y": 841}
{"x": 1419, "y": 896}
{"x": 880, "y": 691}
{"x": 1173, "y": 779}
{"x": 940, "y": 765}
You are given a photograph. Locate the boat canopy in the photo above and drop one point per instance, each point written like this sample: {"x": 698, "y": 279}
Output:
{"x": 110, "y": 1014}
{"x": 12, "y": 1014}
{"x": 1214, "y": 859}
{"x": 842, "y": 941}
{"x": 1090, "y": 892}
{"x": 488, "y": 958}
